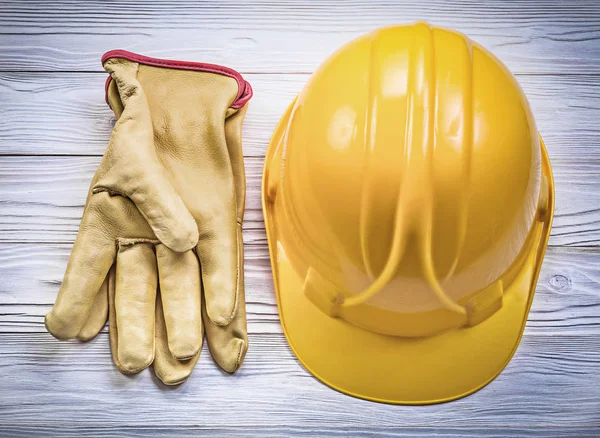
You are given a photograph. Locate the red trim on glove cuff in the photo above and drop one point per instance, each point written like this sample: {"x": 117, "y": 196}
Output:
{"x": 244, "y": 88}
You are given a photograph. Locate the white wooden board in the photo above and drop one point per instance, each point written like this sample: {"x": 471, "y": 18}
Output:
{"x": 54, "y": 126}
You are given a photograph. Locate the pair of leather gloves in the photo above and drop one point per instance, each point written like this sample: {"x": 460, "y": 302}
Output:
{"x": 159, "y": 251}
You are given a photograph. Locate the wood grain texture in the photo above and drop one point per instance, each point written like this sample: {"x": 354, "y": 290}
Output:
{"x": 43, "y": 199}
{"x": 48, "y": 382}
{"x": 543, "y": 36}
{"x": 285, "y": 431}
{"x": 59, "y": 113}
{"x": 54, "y": 126}
{"x": 567, "y": 300}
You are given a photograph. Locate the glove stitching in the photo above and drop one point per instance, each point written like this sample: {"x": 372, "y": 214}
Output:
{"x": 174, "y": 64}
{"x": 239, "y": 358}
{"x": 237, "y": 285}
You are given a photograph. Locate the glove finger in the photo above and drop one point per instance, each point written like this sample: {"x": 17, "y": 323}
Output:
{"x": 233, "y": 138}
{"x": 136, "y": 172}
{"x": 218, "y": 253}
{"x": 93, "y": 254}
{"x": 112, "y": 317}
{"x": 134, "y": 306}
{"x": 98, "y": 315}
{"x": 169, "y": 370}
{"x": 179, "y": 276}
{"x": 228, "y": 344}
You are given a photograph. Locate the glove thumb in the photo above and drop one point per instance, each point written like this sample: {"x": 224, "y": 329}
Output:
{"x": 131, "y": 168}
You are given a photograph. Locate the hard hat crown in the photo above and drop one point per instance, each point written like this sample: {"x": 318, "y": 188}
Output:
{"x": 408, "y": 201}
{"x": 410, "y": 175}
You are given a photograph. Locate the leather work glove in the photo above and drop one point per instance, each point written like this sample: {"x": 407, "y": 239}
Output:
{"x": 160, "y": 246}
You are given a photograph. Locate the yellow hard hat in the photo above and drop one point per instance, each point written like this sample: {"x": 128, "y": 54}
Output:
{"x": 408, "y": 200}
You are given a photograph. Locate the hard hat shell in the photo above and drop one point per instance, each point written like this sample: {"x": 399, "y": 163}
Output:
{"x": 408, "y": 200}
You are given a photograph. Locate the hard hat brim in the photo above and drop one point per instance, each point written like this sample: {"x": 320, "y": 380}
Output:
{"x": 393, "y": 369}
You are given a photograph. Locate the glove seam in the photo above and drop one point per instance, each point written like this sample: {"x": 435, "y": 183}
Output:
{"x": 125, "y": 242}
{"x": 237, "y": 277}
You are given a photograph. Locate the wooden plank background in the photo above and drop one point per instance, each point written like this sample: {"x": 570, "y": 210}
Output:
{"x": 54, "y": 126}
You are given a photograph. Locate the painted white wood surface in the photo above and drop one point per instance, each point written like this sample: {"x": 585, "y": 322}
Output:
{"x": 54, "y": 126}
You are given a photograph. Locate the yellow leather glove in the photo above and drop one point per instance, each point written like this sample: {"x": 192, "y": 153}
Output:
{"x": 160, "y": 244}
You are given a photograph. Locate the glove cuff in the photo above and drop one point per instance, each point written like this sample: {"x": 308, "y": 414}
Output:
{"x": 244, "y": 89}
